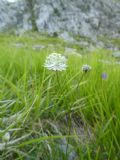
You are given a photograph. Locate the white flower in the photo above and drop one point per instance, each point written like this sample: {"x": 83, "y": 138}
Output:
{"x": 86, "y": 68}
{"x": 6, "y": 137}
{"x": 56, "y": 62}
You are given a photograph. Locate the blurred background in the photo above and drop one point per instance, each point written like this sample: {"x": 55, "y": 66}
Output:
{"x": 63, "y": 18}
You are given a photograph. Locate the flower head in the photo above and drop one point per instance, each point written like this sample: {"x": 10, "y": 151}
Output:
{"x": 6, "y": 137}
{"x": 104, "y": 76}
{"x": 86, "y": 68}
{"x": 56, "y": 62}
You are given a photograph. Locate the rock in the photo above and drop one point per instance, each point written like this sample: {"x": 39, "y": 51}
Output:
{"x": 19, "y": 45}
{"x": 66, "y": 37}
{"x": 105, "y": 61}
{"x": 116, "y": 54}
{"x": 118, "y": 63}
{"x": 67, "y": 148}
{"x": 100, "y": 45}
{"x": 84, "y": 43}
{"x": 38, "y": 47}
{"x": 84, "y": 17}
{"x": 72, "y": 51}
{"x": 113, "y": 48}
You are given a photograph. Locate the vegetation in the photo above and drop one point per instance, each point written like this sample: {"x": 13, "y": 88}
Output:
{"x": 55, "y": 115}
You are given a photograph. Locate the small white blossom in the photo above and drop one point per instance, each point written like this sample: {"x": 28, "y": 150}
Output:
{"x": 86, "y": 68}
{"x": 6, "y": 137}
{"x": 56, "y": 62}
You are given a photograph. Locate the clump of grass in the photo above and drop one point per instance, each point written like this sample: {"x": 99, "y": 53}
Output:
{"x": 77, "y": 117}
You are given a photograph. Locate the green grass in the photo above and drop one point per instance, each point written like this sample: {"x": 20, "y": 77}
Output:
{"x": 78, "y": 115}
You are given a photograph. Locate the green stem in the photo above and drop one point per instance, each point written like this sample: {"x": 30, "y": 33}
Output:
{"x": 79, "y": 81}
{"x": 58, "y": 79}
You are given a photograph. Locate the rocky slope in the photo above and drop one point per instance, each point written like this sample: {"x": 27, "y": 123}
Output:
{"x": 85, "y": 17}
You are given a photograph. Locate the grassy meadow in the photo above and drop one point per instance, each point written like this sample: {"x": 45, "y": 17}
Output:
{"x": 52, "y": 115}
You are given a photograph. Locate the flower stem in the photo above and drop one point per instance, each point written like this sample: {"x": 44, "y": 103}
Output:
{"x": 58, "y": 81}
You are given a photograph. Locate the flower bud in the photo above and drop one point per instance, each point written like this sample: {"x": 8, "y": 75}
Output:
{"x": 86, "y": 68}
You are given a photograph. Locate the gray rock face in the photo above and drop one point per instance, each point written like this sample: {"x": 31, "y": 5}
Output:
{"x": 3, "y": 15}
{"x": 85, "y": 17}
{"x": 14, "y": 16}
